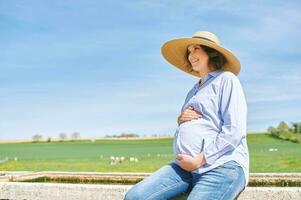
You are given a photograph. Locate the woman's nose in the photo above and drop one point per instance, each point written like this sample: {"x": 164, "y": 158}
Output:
{"x": 190, "y": 55}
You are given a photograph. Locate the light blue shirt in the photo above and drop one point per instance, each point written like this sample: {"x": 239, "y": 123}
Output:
{"x": 221, "y": 131}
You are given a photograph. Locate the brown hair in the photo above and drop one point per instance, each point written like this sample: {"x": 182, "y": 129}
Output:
{"x": 216, "y": 59}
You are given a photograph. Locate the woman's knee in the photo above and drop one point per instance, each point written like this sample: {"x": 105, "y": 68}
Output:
{"x": 130, "y": 196}
{"x": 134, "y": 193}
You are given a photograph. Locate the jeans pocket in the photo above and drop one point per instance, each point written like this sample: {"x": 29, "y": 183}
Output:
{"x": 231, "y": 165}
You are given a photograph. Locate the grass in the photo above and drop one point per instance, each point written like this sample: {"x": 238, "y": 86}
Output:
{"x": 152, "y": 154}
{"x": 287, "y": 158}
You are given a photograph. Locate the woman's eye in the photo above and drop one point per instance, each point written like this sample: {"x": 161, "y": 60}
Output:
{"x": 193, "y": 49}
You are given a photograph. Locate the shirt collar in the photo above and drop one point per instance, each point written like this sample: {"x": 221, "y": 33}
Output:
{"x": 213, "y": 73}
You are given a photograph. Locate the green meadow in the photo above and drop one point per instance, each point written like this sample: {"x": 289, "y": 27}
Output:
{"x": 267, "y": 154}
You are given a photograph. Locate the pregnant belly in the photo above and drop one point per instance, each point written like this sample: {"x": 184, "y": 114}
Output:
{"x": 192, "y": 136}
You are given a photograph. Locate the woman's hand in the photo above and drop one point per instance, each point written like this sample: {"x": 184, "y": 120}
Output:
{"x": 188, "y": 115}
{"x": 190, "y": 163}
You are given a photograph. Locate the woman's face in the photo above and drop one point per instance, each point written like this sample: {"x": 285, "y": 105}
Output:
{"x": 198, "y": 58}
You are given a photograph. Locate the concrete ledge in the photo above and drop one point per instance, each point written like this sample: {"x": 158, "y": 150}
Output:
{"x": 255, "y": 179}
{"x": 9, "y": 189}
{"x": 57, "y": 191}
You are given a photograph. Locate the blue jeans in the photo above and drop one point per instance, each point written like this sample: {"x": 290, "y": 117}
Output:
{"x": 223, "y": 182}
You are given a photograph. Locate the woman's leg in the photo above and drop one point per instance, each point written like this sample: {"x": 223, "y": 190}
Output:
{"x": 224, "y": 182}
{"x": 167, "y": 182}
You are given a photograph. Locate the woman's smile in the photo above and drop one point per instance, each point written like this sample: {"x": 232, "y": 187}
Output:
{"x": 194, "y": 60}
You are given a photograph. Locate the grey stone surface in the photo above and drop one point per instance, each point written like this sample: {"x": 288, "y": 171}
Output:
{"x": 47, "y": 191}
{"x": 271, "y": 193}
{"x": 54, "y": 191}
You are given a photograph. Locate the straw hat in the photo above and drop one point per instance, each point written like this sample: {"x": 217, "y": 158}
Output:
{"x": 174, "y": 51}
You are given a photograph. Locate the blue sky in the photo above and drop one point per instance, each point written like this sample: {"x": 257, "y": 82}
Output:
{"x": 95, "y": 66}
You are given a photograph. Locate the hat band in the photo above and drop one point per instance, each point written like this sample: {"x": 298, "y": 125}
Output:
{"x": 203, "y": 38}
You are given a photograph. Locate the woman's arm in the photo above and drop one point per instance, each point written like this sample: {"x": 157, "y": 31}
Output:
{"x": 187, "y": 115}
{"x": 233, "y": 112}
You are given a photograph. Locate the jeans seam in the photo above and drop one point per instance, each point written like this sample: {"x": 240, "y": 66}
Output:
{"x": 228, "y": 189}
{"x": 165, "y": 189}
{"x": 239, "y": 194}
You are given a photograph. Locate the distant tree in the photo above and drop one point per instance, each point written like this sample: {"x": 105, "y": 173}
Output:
{"x": 75, "y": 136}
{"x": 49, "y": 139}
{"x": 63, "y": 136}
{"x": 37, "y": 138}
{"x": 283, "y": 127}
{"x": 283, "y": 131}
{"x": 273, "y": 131}
{"x": 123, "y": 135}
{"x": 296, "y": 127}
{"x": 128, "y": 135}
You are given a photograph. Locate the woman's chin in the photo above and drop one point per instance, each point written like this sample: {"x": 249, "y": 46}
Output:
{"x": 196, "y": 68}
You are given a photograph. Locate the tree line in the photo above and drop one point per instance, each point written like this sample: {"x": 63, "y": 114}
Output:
{"x": 62, "y": 137}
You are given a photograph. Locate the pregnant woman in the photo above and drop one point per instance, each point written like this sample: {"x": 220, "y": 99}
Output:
{"x": 209, "y": 145}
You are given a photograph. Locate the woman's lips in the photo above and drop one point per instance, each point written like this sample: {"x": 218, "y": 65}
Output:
{"x": 195, "y": 61}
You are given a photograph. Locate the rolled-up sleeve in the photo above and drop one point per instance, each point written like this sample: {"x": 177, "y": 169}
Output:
{"x": 233, "y": 112}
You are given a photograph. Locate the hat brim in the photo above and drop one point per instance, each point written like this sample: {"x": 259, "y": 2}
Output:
{"x": 174, "y": 51}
